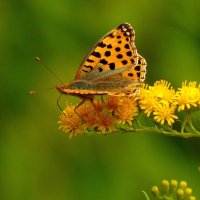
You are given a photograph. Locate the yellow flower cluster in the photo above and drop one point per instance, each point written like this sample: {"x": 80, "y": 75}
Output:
{"x": 101, "y": 117}
{"x": 173, "y": 190}
{"x": 160, "y": 101}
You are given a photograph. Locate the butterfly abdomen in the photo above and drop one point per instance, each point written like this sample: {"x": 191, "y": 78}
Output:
{"x": 114, "y": 85}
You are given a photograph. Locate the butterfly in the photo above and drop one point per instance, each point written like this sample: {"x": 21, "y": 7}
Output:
{"x": 113, "y": 67}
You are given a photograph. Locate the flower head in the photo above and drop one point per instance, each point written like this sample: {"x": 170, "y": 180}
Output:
{"x": 163, "y": 91}
{"x": 188, "y": 95}
{"x": 165, "y": 113}
{"x": 150, "y": 96}
{"x": 126, "y": 110}
{"x": 106, "y": 123}
{"x": 70, "y": 122}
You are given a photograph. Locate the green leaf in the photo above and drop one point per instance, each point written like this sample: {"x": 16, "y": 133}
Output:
{"x": 196, "y": 120}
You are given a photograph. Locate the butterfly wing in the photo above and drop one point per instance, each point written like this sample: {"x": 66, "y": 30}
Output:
{"x": 115, "y": 50}
{"x": 128, "y": 78}
{"x": 112, "y": 67}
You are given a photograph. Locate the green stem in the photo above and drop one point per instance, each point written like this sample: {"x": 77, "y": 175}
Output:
{"x": 172, "y": 133}
{"x": 145, "y": 194}
{"x": 137, "y": 120}
{"x": 184, "y": 123}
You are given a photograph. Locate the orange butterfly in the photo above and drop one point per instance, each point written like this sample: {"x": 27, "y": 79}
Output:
{"x": 113, "y": 67}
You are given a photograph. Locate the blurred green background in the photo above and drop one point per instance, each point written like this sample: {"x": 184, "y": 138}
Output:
{"x": 37, "y": 161}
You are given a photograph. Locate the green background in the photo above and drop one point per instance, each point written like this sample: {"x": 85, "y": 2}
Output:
{"x": 37, "y": 161}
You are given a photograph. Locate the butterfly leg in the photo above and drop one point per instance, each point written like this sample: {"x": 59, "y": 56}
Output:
{"x": 59, "y": 104}
{"x": 76, "y": 109}
{"x": 92, "y": 101}
{"x": 102, "y": 100}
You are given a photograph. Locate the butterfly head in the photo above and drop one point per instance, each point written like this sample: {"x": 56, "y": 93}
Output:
{"x": 62, "y": 87}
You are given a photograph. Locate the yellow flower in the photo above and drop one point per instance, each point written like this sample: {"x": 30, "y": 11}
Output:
{"x": 163, "y": 91}
{"x": 150, "y": 96}
{"x": 112, "y": 103}
{"x": 106, "y": 123}
{"x": 147, "y": 101}
{"x": 126, "y": 110}
{"x": 165, "y": 113}
{"x": 88, "y": 114}
{"x": 70, "y": 122}
{"x": 187, "y": 96}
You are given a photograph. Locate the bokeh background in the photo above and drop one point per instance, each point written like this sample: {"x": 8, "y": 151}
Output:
{"x": 37, "y": 161}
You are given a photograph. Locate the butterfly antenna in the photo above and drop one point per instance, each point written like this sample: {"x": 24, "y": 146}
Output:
{"x": 45, "y": 66}
{"x": 33, "y": 92}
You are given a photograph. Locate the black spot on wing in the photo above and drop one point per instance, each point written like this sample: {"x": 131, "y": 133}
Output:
{"x": 132, "y": 60}
{"x": 124, "y": 62}
{"x": 103, "y": 61}
{"x": 101, "y": 44}
{"x": 117, "y": 49}
{"x": 138, "y": 74}
{"x": 126, "y": 46}
{"x": 129, "y": 53}
{"x": 137, "y": 68}
{"x": 112, "y": 66}
{"x": 107, "y": 53}
{"x": 84, "y": 70}
{"x": 109, "y": 46}
{"x": 119, "y": 56}
{"x": 90, "y": 60}
{"x": 130, "y": 74}
{"x": 100, "y": 69}
{"x": 111, "y": 35}
{"x": 88, "y": 66}
{"x": 96, "y": 54}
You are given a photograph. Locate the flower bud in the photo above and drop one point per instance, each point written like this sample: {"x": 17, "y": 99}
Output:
{"x": 180, "y": 194}
{"x": 165, "y": 186}
{"x": 174, "y": 184}
{"x": 188, "y": 191}
{"x": 192, "y": 198}
{"x": 155, "y": 191}
{"x": 183, "y": 184}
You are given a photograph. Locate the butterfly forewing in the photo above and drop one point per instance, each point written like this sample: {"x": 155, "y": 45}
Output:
{"x": 115, "y": 50}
